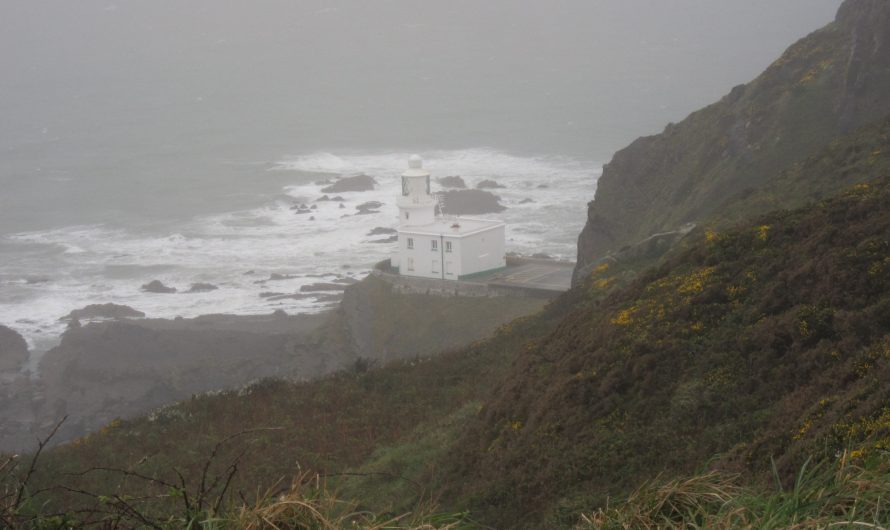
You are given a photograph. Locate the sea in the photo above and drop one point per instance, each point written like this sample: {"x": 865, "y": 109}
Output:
{"x": 44, "y": 274}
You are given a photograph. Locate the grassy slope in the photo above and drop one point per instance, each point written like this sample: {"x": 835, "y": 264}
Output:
{"x": 287, "y": 428}
{"x": 772, "y": 339}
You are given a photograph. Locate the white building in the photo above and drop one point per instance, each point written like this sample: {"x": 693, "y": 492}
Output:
{"x": 433, "y": 246}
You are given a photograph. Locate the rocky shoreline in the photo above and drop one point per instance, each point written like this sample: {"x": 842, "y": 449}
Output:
{"x": 121, "y": 367}
{"x": 116, "y": 364}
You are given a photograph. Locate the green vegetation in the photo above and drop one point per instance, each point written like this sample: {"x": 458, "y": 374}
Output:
{"x": 766, "y": 341}
{"x": 269, "y": 432}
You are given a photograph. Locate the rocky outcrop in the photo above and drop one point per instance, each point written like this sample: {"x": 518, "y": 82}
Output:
{"x": 470, "y": 202}
{"x": 356, "y": 183}
{"x": 488, "y": 184}
{"x": 369, "y": 207}
{"x": 13, "y": 350}
{"x": 381, "y": 230}
{"x": 156, "y": 286}
{"x": 104, "y": 311}
{"x": 833, "y": 81}
{"x": 119, "y": 369}
{"x": 202, "y": 287}
{"x": 452, "y": 182}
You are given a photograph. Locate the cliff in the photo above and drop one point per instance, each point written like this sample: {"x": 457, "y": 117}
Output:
{"x": 830, "y": 83}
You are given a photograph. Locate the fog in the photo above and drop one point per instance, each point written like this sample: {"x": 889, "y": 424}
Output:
{"x": 583, "y": 77}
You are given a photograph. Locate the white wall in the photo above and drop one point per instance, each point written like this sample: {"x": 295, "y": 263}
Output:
{"x": 470, "y": 254}
{"x": 421, "y": 257}
{"x": 483, "y": 251}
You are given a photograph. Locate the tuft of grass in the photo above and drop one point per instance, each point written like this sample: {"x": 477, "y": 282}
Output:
{"x": 844, "y": 496}
{"x": 309, "y": 505}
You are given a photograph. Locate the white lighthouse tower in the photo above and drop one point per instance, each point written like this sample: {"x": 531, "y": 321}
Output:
{"x": 439, "y": 246}
{"x": 416, "y": 205}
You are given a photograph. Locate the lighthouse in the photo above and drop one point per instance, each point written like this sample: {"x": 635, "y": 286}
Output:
{"x": 441, "y": 246}
{"x": 416, "y": 205}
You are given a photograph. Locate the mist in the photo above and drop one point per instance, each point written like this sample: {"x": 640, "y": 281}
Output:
{"x": 114, "y": 94}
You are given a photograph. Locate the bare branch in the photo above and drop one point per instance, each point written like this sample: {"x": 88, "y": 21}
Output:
{"x": 41, "y": 444}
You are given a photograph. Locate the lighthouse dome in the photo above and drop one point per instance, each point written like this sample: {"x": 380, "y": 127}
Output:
{"x": 415, "y": 162}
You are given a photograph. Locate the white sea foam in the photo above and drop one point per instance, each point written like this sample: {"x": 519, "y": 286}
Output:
{"x": 98, "y": 264}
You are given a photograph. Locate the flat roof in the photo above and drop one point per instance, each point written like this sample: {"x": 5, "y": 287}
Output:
{"x": 453, "y": 226}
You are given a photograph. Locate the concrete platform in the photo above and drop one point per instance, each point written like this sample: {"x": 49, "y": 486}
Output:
{"x": 538, "y": 278}
{"x": 545, "y": 275}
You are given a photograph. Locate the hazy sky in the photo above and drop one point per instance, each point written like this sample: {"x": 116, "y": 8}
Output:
{"x": 581, "y": 76}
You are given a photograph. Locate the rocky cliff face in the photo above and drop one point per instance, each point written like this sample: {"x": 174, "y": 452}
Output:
{"x": 13, "y": 350}
{"x": 835, "y": 80}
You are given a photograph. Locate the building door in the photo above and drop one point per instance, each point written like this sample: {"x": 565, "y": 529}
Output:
{"x": 449, "y": 268}
{"x": 435, "y": 269}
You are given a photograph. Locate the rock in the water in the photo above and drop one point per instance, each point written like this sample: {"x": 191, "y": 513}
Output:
{"x": 274, "y": 277}
{"x": 526, "y": 201}
{"x": 368, "y": 207}
{"x": 379, "y": 231}
{"x": 313, "y": 287}
{"x": 452, "y": 182}
{"x": 489, "y": 184}
{"x": 347, "y": 281}
{"x": 13, "y": 350}
{"x": 104, "y": 311}
{"x": 342, "y": 206}
{"x": 390, "y": 239}
{"x": 470, "y": 202}
{"x": 356, "y": 183}
{"x": 295, "y": 296}
{"x": 543, "y": 186}
{"x": 155, "y": 286}
{"x": 202, "y": 287}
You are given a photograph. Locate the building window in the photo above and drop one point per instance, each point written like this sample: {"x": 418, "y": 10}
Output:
{"x": 410, "y": 242}
{"x": 448, "y": 246}
{"x": 434, "y": 245}
{"x": 435, "y": 269}
{"x": 410, "y": 264}
{"x": 407, "y": 215}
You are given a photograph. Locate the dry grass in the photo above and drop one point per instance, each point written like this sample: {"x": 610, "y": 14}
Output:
{"x": 309, "y": 505}
{"x": 847, "y": 496}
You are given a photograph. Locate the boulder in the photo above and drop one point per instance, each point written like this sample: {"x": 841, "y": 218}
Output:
{"x": 155, "y": 286}
{"x": 13, "y": 350}
{"x": 452, "y": 182}
{"x": 368, "y": 207}
{"x": 379, "y": 231}
{"x": 202, "y": 287}
{"x": 470, "y": 202}
{"x": 104, "y": 311}
{"x": 488, "y": 184}
{"x": 356, "y": 183}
